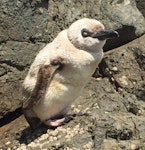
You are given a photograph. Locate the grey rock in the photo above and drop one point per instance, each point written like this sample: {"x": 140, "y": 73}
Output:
{"x": 29, "y": 21}
{"x": 22, "y": 23}
{"x": 23, "y": 20}
{"x": 130, "y": 64}
{"x": 122, "y": 15}
{"x": 15, "y": 59}
{"x": 111, "y": 125}
{"x": 114, "y": 100}
{"x": 141, "y": 5}
{"x": 116, "y": 109}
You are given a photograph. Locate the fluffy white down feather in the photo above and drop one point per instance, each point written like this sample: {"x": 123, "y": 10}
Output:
{"x": 81, "y": 57}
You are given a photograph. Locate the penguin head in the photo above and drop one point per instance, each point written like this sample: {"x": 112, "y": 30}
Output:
{"x": 89, "y": 34}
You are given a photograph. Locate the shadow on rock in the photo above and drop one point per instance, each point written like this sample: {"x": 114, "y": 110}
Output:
{"x": 28, "y": 135}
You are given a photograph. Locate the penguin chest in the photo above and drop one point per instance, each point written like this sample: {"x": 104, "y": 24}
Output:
{"x": 57, "y": 100}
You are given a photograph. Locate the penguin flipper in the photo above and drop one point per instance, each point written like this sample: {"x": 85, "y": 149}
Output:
{"x": 44, "y": 77}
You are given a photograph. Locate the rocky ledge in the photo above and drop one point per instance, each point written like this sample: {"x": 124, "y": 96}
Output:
{"x": 114, "y": 101}
{"x": 115, "y": 96}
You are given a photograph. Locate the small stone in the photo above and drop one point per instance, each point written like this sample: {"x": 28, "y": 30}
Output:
{"x": 34, "y": 145}
{"x": 98, "y": 79}
{"x": 43, "y": 137}
{"x": 123, "y": 80}
{"x": 114, "y": 69}
{"x": 15, "y": 147}
{"x": 68, "y": 140}
{"x": 133, "y": 147}
{"x": 67, "y": 136}
{"x": 112, "y": 79}
{"x": 41, "y": 10}
{"x": 55, "y": 133}
{"x": 141, "y": 112}
{"x": 79, "y": 106}
{"x": 85, "y": 15}
{"x": 8, "y": 143}
{"x": 55, "y": 138}
{"x": 23, "y": 147}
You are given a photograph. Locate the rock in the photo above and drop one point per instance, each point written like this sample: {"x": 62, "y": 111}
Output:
{"x": 130, "y": 63}
{"x": 141, "y": 5}
{"x": 114, "y": 122}
{"x": 23, "y": 21}
{"x": 131, "y": 145}
{"x": 21, "y": 25}
{"x": 115, "y": 100}
{"x": 24, "y": 24}
{"x": 122, "y": 15}
{"x": 110, "y": 145}
{"x": 15, "y": 59}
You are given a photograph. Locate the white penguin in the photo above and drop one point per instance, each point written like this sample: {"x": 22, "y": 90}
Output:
{"x": 61, "y": 70}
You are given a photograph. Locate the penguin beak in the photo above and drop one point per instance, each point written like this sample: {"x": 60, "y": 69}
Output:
{"x": 105, "y": 34}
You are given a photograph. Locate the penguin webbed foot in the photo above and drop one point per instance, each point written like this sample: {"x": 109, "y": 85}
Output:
{"x": 55, "y": 122}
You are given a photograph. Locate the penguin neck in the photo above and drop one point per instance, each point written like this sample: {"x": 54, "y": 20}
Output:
{"x": 63, "y": 41}
{"x": 71, "y": 51}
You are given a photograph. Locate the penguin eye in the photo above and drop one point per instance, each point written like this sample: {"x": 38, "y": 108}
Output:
{"x": 85, "y": 33}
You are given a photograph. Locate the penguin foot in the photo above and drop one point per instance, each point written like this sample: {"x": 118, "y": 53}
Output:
{"x": 54, "y": 123}
{"x": 61, "y": 121}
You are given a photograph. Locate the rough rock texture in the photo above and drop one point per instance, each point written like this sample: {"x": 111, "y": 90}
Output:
{"x": 122, "y": 15}
{"x": 15, "y": 58}
{"x": 115, "y": 99}
{"x": 23, "y": 20}
{"x": 115, "y": 102}
{"x": 24, "y": 24}
{"x": 21, "y": 25}
{"x": 141, "y": 5}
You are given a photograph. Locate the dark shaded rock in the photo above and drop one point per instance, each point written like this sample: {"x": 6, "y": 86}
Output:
{"x": 23, "y": 20}
{"x": 141, "y": 5}
{"x": 15, "y": 59}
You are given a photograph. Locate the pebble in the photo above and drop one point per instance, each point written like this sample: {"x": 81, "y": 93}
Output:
{"x": 88, "y": 146}
{"x": 55, "y": 133}
{"x": 59, "y": 136}
{"x": 141, "y": 112}
{"x": 114, "y": 69}
{"x": 32, "y": 144}
{"x": 8, "y": 143}
{"x": 76, "y": 110}
{"x": 55, "y": 138}
{"x": 22, "y": 147}
{"x": 98, "y": 79}
{"x": 43, "y": 137}
{"x": 86, "y": 109}
{"x": 133, "y": 147}
{"x": 123, "y": 80}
